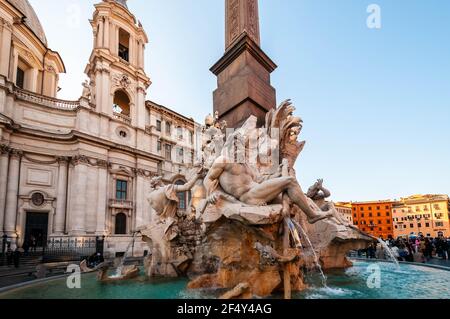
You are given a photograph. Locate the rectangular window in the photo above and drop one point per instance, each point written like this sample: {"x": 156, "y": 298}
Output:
{"x": 191, "y": 137}
{"x": 419, "y": 225}
{"x": 20, "y": 78}
{"x": 168, "y": 128}
{"x": 439, "y": 224}
{"x": 411, "y": 225}
{"x": 427, "y": 224}
{"x": 168, "y": 154}
{"x": 158, "y": 125}
{"x": 159, "y": 146}
{"x": 180, "y": 133}
{"x": 124, "y": 44}
{"x": 180, "y": 155}
{"x": 121, "y": 189}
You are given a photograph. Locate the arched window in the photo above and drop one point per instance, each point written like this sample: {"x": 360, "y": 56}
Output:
{"x": 121, "y": 224}
{"x": 121, "y": 103}
{"x": 183, "y": 197}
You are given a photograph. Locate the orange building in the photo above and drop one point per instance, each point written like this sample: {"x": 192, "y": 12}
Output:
{"x": 374, "y": 218}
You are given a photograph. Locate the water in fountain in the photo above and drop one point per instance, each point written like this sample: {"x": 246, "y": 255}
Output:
{"x": 316, "y": 258}
{"x": 119, "y": 269}
{"x": 390, "y": 253}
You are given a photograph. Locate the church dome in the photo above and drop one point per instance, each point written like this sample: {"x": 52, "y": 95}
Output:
{"x": 32, "y": 20}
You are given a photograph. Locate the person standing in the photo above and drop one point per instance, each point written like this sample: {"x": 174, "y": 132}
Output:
{"x": 9, "y": 255}
{"x": 16, "y": 258}
{"x": 428, "y": 250}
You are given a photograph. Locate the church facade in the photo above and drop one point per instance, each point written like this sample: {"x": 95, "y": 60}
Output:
{"x": 78, "y": 169}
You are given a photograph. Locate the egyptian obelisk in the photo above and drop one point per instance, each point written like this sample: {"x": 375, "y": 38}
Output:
{"x": 243, "y": 73}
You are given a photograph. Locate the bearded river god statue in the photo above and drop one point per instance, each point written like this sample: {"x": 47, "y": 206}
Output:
{"x": 252, "y": 217}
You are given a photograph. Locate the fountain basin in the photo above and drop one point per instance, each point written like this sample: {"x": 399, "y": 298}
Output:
{"x": 407, "y": 282}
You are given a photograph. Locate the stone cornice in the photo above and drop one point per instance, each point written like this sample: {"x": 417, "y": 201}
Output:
{"x": 243, "y": 44}
{"x": 89, "y": 161}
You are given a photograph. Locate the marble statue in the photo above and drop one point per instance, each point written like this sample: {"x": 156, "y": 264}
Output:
{"x": 251, "y": 214}
{"x": 88, "y": 91}
{"x": 164, "y": 227}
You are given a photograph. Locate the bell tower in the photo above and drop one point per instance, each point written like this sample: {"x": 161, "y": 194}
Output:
{"x": 116, "y": 66}
{"x": 243, "y": 73}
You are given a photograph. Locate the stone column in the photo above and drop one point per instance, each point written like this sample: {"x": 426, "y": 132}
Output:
{"x": 132, "y": 50}
{"x": 4, "y": 161}
{"x": 143, "y": 56}
{"x": 102, "y": 198}
{"x": 31, "y": 79}
{"x": 140, "y": 108}
{"x": 112, "y": 39}
{"x": 5, "y": 48}
{"x": 61, "y": 197}
{"x": 106, "y": 94}
{"x": 98, "y": 87}
{"x": 14, "y": 65}
{"x": 100, "y": 34}
{"x": 106, "y": 35}
{"x": 140, "y": 198}
{"x": 12, "y": 193}
{"x": 78, "y": 196}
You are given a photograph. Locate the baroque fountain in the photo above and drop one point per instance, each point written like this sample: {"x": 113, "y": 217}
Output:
{"x": 252, "y": 230}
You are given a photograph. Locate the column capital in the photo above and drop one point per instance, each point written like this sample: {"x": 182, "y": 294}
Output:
{"x": 14, "y": 153}
{"x": 80, "y": 160}
{"x": 63, "y": 159}
{"x": 4, "y": 149}
{"x": 5, "y": 24}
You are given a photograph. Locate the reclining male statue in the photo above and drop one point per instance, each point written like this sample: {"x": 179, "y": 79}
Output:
{"x": 245, "y": 183}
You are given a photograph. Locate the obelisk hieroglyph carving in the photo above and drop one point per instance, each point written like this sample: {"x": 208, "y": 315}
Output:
{"x": 243, "y": 73}
{"x": 242, "y": 16}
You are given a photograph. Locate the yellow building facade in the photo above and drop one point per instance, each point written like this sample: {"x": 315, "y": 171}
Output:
{"x": 345, "y": 209}
{"x": 421, "y": 214}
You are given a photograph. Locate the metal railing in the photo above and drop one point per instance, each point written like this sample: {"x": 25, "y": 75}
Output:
{"x": 46, "y": 100}
{"x": 71, "y": 248}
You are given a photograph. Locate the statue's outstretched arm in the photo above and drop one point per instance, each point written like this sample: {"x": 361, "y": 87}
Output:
{"x": 188, "y": 186}
{"x": 214, "y": 173}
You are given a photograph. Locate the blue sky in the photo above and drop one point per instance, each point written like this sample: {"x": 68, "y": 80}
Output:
{"x": 375, "y": 102}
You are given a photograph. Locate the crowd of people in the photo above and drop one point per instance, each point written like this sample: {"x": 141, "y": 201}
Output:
{"x": 412, "y": 249}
